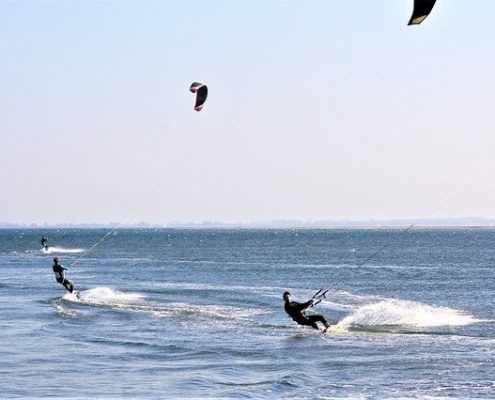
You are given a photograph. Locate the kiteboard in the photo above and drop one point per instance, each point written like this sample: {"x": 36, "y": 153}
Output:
{"x": 334, "y": 329}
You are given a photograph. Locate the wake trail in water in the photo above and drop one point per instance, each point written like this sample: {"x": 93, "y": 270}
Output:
{"x": 137, "y": 302}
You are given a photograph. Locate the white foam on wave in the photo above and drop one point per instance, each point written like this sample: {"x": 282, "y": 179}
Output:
{"x": 405, "y": 313}
{"x": 55, "y": 249}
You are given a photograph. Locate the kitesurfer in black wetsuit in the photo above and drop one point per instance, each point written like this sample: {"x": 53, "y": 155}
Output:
{"x": 59, "y": 271}
{"x": 44, "y": 242}
{"x": 296, "y": 312}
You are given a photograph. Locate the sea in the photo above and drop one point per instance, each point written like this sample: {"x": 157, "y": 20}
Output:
{"x": 198, "y": 314}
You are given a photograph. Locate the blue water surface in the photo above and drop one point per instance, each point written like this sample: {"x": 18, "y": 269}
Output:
{"x": 172, "y": 313}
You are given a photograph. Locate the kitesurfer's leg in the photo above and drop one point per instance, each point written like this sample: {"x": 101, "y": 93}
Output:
{"x": 318, "y": 318}
{"x": 308, "y": 322}
{"x": 68, "y": 285}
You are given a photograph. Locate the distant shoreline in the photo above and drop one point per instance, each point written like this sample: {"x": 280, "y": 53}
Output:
{"x": 459, "y": 223}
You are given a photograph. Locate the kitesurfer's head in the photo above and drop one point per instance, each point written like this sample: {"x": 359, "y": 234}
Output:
{"x": 286, "y": 296}
{"x": 55, "y": 260}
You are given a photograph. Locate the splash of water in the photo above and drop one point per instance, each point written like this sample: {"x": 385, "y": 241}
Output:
{"x": 104, "y": 296}
{"x": 405, "y": 313}
{"x": 55, "y": 249}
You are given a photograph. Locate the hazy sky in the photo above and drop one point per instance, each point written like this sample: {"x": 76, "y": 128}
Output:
{"x": 317, "y": 110}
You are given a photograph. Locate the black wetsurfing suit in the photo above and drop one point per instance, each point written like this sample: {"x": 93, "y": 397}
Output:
{"x": 44, "y": 242}
{"x": 59, "y": 271}
{"x": 295, "y": 310}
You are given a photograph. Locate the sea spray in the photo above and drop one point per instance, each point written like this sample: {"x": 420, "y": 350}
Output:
{"x": 405, "y": 313}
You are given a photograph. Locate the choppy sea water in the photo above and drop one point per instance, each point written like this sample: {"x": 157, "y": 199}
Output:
{"x": 199, "y": 314}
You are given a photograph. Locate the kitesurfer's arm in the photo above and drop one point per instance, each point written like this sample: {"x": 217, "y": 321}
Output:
{"x": 303, "y": 306}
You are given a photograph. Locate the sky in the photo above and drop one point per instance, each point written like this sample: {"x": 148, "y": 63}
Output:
{"x": 323, "y": 110}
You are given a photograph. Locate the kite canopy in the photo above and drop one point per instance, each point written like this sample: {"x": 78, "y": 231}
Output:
{"x": 201, "y": 94}
{"x": 421, "y": 10}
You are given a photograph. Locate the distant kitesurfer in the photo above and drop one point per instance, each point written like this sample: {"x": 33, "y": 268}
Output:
{"x": 44, "y": 242}
{"x": 59, "y": 271}
{"x": 296, "y": 312}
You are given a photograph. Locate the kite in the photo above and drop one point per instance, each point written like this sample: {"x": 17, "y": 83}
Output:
{"x": 421, "y": 10}
{"x": 201, "y": 94}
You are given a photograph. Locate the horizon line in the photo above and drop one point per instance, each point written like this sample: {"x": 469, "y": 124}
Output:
{"x": 461, "y": 222}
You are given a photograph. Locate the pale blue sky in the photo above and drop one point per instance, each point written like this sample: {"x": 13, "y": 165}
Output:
{"x": 317, "y": 110}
